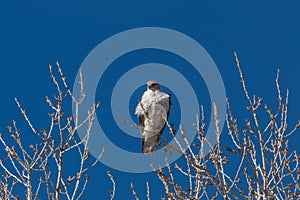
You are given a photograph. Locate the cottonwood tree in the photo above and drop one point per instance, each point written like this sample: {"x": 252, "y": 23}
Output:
{"x": 258, "y": 165}
{"x": 39, "y": 169}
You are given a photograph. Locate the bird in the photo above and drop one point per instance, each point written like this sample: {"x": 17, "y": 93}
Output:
{"x": 153, "y": 112}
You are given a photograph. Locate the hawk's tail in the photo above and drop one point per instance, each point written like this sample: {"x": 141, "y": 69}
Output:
{"x": 150, "y": 144}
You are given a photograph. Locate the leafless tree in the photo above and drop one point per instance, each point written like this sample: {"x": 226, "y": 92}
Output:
{"x": 40, "y": 169}
{"x": 258, "y": 165}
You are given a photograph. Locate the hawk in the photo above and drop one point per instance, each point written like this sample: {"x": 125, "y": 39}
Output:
{"x": 153, "y": 111}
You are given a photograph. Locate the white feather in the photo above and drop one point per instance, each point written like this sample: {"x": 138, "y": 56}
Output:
{"x": 154, "y": 106}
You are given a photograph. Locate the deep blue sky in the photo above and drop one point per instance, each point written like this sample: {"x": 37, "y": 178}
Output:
{"x": 35, "y": 33}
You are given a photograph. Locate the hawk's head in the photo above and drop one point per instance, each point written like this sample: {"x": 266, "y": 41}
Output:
{"x": 153, "y": 85}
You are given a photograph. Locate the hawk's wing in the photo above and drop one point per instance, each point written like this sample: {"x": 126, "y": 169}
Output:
{"x": 142, "y": 122}
{"x": 168, "y": 106}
